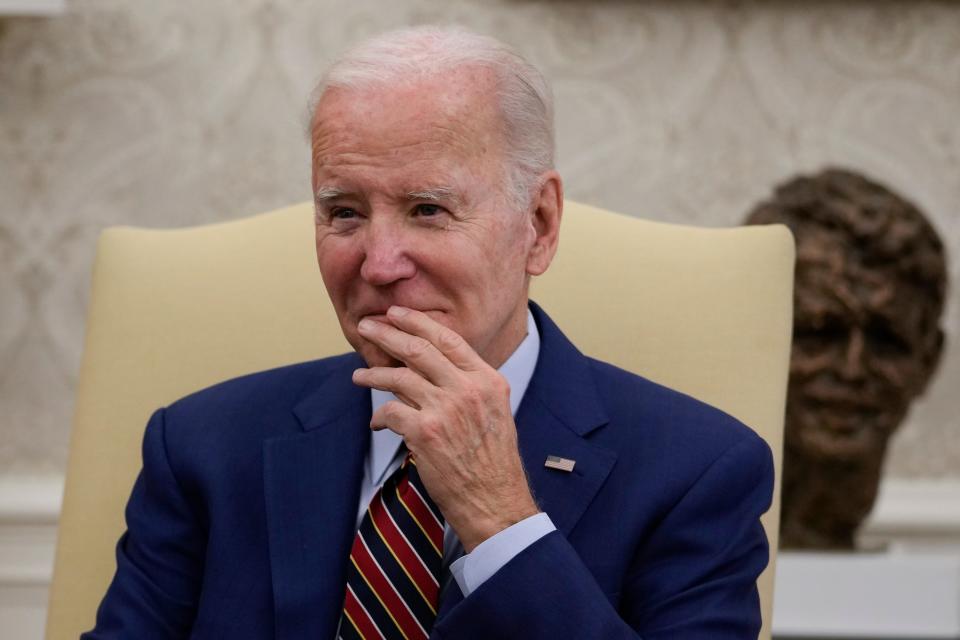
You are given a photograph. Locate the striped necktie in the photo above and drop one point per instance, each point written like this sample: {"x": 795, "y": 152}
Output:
{"x": 393, "y": 579}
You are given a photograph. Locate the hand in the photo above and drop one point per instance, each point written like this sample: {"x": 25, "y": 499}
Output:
{"x": 454, "y": 416}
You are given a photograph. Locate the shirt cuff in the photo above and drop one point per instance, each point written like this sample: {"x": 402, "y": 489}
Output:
{"x": 488, "y": 557}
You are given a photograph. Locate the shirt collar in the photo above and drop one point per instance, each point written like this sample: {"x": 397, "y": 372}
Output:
{"x": 518, "y": 369}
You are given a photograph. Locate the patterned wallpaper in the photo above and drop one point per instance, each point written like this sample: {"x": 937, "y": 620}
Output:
{"x": 178, "y": 112}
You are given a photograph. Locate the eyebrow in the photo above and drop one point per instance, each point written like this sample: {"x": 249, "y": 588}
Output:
{"x": 435, "y": 194}
{"x": 325, "y": 194}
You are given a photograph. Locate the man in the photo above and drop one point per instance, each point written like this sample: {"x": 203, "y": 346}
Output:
{"x": 871, "y": 284}
{"x": 296, "y": 503}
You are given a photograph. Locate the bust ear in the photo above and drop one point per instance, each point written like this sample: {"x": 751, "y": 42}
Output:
{"x": 545, "y": 215}
{"x": 931, "y": 359}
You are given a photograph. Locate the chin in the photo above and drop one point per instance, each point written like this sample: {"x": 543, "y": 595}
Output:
{"x": 377, "y": 357}
{"x": 850, "y": 445}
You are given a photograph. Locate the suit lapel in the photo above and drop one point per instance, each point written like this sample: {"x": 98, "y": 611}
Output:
{"x": 312, "y": 486}
{"x": 564, "y": 496}
{"x": 559, "y": 410}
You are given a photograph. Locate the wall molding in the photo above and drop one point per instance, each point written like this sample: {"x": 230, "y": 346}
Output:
{"x": 32, "y": 7}
{"x": 909, "y": 514}
{"x": 918, "y": 512}
{"x": 29, "y": 511}
{"x": 30, "y": 499}
{"x": 907, "y": 511}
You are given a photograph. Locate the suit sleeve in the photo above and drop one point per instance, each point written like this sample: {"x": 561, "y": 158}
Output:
{"x": 692, "y": 577}
{"x": 159, "y": 558}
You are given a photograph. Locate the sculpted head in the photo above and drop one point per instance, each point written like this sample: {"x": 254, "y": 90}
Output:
{"x": 870, "y": 289}
{"x": 433, "y": 177}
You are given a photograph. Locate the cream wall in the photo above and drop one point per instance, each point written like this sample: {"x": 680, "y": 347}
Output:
{"x": 175, "y": 113}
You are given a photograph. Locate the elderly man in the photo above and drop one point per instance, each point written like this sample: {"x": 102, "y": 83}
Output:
{"x": 467, "y": 473}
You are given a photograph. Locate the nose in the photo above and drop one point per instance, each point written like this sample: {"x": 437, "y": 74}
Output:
{"x": 386, "y": 256}
{"x": 852, "y": 365}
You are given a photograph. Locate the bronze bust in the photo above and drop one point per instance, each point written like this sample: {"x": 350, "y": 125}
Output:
{"x": 870, "y": 288}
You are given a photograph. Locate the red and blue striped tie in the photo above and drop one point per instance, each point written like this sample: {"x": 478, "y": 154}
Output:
{"x": 393, "y": 581}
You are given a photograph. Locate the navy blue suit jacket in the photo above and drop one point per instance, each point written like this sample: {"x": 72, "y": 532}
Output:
{"x": 240, "y": 523}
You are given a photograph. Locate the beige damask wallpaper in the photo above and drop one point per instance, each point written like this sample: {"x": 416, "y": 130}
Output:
{"x": 184, "y": 111}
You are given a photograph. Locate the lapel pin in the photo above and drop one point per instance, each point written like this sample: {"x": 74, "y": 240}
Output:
{"x": 561, "y": 464}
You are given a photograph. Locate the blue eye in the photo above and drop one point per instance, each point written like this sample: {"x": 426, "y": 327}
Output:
{"x": 427, "y": 210}
{"x": 343, "y": 213}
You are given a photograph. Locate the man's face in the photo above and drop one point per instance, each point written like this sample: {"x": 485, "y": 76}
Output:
{"x": 411, "y": 211}
{"x": 860, "y": 354}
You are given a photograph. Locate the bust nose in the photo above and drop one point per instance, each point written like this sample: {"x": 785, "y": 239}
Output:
{"x": 386, "y": 256}
{"x": 852, "y": 366}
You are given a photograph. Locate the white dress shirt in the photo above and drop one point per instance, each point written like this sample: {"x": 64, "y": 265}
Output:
{"x": 473, "y": 569}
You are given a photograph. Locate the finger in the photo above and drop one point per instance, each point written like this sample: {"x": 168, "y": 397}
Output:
{"x": 402, "y": 382}
{"x": 447, "y": 341}
{"x": 415, "y": 352}
{"x": 396, "y": 416}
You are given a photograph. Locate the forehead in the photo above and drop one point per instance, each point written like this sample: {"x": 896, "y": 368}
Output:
{"x": 833, "y": 279}
{"x": 452, "y": 115}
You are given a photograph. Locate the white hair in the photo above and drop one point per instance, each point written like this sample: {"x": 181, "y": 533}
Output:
{"x": 408, "y": 55}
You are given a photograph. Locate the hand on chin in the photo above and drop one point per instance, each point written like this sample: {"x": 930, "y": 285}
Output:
{"x": 374, "y": 356}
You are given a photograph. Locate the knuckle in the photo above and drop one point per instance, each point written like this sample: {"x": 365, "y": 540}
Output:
{"x": 391, "y": 411}
{"x": 449, "y": 339}
{"x": 415, "y": 347}
{"x": 430, "y": 428}
{"x": 500, "y": 385}
{"x": 400, "y": 376}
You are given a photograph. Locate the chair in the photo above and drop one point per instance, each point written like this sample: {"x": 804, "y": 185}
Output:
{"x": 706, "y": 311}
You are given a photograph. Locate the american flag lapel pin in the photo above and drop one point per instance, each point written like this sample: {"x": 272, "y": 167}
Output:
{"x": 560, "y": 464}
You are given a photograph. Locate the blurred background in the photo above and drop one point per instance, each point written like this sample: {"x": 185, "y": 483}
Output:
{"x": 174, "y": 113}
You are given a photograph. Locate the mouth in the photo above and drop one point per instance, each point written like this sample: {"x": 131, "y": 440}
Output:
{"x": 847, "y": 423}
{"x": 847, "y": 410}
{"x": 838, "y": 400}
{"x": 838, "y": 445}
{"x": 380, "y": 313}
{"x": 837, "y": 430}
{"x": 840, "y": 417}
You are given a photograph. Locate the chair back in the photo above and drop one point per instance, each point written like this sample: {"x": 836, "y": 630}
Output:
{"x": 707, "y": 312}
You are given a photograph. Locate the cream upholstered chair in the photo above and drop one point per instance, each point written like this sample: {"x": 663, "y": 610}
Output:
{"x": 704, "y": 311}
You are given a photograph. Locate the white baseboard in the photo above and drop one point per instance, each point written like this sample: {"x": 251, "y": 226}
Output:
{"x": 909, "y": 514}
{"x": 29, "y": 510}
{"x": 885, "y": 594}
{"x": 32, "y": 7}
{"x": 915, "y": 514}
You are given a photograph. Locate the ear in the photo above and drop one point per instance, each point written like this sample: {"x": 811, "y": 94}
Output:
{"x": 545, "y": 214}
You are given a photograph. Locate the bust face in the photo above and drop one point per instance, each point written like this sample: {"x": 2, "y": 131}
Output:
{"x": 861, "y": 351}
{"x": 869, "y": 289}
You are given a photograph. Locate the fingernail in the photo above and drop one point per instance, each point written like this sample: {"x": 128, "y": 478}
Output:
{"x": 397, "y": 312}
{"x": 357, "y": 373}
{"x": 365, "y": 325}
